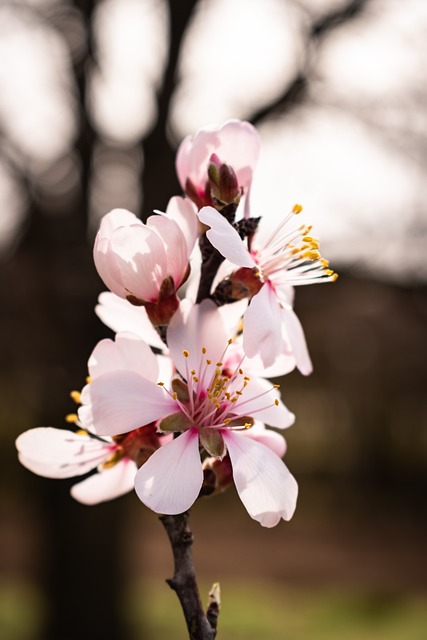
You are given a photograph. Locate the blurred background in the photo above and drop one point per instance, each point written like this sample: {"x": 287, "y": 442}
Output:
{"x": 94, "y": 100}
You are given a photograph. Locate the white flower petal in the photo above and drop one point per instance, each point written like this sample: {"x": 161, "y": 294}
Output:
{"x": 121, "y": 316}
{"x": 225, "y": 238}
{"x": 59, "y": 453}
{"x": 107, "y": 484}
{"x": 171, "y": 479}
{"x": 271, "y": 439}
{"x": 297, "y": 340}
{"x": 263, "y": 407}
{"x": 262, "y": 326}
{"x": 194, "y": 327}
{"x": 121, "y": 401}
{"x": 264, "y": 484}
{"x": 127, "y": 353}
{"x": 183, "y": 211}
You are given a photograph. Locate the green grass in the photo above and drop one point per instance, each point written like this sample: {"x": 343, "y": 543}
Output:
{"x": 263, "y": 612}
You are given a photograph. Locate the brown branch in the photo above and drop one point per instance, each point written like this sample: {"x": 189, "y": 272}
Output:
{"x": 200, "y": 625}
{"x": 297, "y": 89}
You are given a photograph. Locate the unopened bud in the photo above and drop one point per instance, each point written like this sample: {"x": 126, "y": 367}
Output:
{"x": 223, "y": 182}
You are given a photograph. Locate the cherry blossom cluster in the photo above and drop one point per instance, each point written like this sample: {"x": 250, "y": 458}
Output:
{"x": 201, "y": 302}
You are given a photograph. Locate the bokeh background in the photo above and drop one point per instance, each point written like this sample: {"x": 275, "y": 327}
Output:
{"x": 94, "y": 99}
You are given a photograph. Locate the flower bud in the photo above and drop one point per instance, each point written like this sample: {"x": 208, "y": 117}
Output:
{"x": 223, "y": 182}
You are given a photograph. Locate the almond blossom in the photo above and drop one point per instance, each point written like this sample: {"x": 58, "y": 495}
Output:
{"x": 207, "y": 407}
{"x": 61, "y": 453}
{"x": 234, "y": 144}
{"x": 268, "y": 273}
{"x": 147, "y": 263}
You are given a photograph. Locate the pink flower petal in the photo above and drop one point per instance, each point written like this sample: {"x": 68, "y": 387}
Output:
{"x": 262, "y": 326}
{"x": 127, "y": 352}
{"x": 264, "y": 484}
{"x": 59, "y": 453}
{"x": 183, "y": 211}
{"x": 106, "y": 485}
{"x": 271, "y": 439}
{"x": 171, "y": 479}
{"x": 194, "y": 327}
{"x": 226, "y": 239}
{"x": 119, "y": 315}
{"x": 263, "y": 407}
{"x": 175, "y": 245}
{"x": 297, "y": 340}
{"x": 120, "y": 401}
{"x": 236, "y": 143}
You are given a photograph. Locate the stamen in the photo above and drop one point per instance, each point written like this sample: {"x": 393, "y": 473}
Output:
{"x": 75, "y": 395}
{"x": 71, "y": 418}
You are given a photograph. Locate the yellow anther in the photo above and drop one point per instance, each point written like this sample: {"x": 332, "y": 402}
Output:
{"x": 276, "y": 402}
{"x": 81, "y": 432}
{"x": 241, "y": 371}
{"x": 203, "y": 350}
{"x": 185, "y": 353}
{"x": 335, "y": 277}
{"x": 245, "y": 383}
{"x": 233, "y": 400}
{"x": 161, "y": 384}
{"x": 247, "y": 378}
{"x": 227, "y": 420}
{"x": 238, "y": 393}
{"x": 219, "y": 364}
{"x": 71, "y": 417}
{"x": 175, "y": 395}
{"x": 193, "y": 371}
{"x": 88, "y": 379}
{"x": 248, "y": 425}
{"x": 329, "y": 272}
{"x": 208, "y": 361}
{"x": 195, "y": 379}
{"x": 75, "y": 395}
{"x": 324, "y": 263}
{"x": 297, "y": 208}
{"x": 276, "y": 386}
{"x": 311, "y": 255}
{"x": 230, "y": 341}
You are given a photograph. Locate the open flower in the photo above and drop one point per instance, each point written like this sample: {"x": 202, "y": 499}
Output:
{"x": 61, "y": 453}
{"x": 206, "y": 407}
{"x": 268, "y": 273}
{"x": 235, "y": 144}
{"x": 147, "y": 263}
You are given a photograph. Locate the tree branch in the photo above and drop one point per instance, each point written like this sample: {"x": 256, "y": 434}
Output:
{"x": 200, "y": 626}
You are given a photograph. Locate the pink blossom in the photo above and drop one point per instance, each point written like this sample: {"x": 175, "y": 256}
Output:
{"x": 235, "y": 143}
{"x": 268, "y": 273}
{"x": 207, "y": 406}
{"x": 60, "y": 453}
{"x": 147, "y": 263}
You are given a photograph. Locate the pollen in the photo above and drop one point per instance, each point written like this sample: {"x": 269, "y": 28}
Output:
{"x": 75, "y": 395}
{"x": 161, "y": 384}
{"x": 247, "y": 425}
{"x": 88, "y": 379}
{"x": 276, "y": 402}
{"x": 297, "y": 208}
{"x": 204, "y": 350}
{"x": 71, "y": 417}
